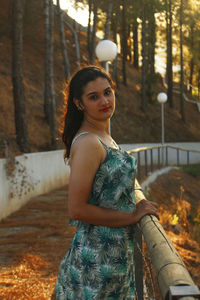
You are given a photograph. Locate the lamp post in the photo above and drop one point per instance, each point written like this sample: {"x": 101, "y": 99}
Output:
{"x": 106, "y": 51}
{"x": 162, "y": 98}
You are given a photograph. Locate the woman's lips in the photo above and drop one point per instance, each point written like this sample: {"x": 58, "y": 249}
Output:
{"x": 105, "y": 109}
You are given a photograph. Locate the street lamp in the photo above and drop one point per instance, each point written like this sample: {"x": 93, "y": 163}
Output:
{"x": 162, "y": 98}
{"x": 106, "y": 51}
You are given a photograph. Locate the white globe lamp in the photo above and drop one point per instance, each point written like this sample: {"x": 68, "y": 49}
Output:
{"x": 162, "y": 97}
{"x": 106, "y": 50}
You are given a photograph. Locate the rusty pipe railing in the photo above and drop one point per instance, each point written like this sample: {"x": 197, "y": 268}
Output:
{"x": 169, "y": 267}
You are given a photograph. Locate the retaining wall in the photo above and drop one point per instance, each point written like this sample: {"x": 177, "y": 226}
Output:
{"x": 28, "y": 176}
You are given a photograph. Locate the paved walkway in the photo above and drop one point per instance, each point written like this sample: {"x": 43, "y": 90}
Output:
{"x": 33, "y": 241}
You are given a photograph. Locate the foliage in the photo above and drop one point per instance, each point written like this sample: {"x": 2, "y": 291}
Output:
{"x": 193, "y": 170}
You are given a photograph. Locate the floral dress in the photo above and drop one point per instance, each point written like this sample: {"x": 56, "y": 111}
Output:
{"x": 100, "y": 262}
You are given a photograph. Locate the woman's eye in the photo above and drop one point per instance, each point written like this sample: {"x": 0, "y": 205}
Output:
{"x": 107, "y": 92}
{"x": 93, "y": 97}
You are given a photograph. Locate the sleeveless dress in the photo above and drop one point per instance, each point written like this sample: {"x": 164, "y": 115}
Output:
{"x": 100, "y": 262}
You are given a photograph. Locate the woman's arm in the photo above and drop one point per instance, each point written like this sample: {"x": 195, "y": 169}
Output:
{"x": 86, "y": 157}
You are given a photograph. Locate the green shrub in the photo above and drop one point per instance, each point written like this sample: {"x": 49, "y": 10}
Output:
{"x": 193, "y": 170}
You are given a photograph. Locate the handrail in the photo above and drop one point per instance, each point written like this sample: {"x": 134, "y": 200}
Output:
{"x": 162, "y": 156}
{"x": 169, "y": 267}
{"x": 162, "y": 146}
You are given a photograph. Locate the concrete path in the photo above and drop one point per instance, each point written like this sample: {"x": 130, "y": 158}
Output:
{"x": 33, "y": 241}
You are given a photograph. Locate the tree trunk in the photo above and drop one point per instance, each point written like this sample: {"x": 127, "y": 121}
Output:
{"x": 94, "y": 29}
{"x": 89, "y": 46}
{"x": 108, "y": 19}
{"x": 49, "y": 96}
{"x": 181, "y": 63}
{"x": 124, "y": 42}
{"x": 191, "y": 74}
{"x": 63, "y": 43}
{"x": 192, "y": 59}
{"x": 198, "y": 84}
{"x": 17, "y": 76}
{"x": 107, "y": 25}
{"x": 115, "y": 31}
{"x": 151, "y": 52}
{"x": 144, "y": 63}
{"x": 78, "y": 56}
{"x": 169, "y": 53}
{"x": 135, "y": 44}
{"x": 152, "y": 39}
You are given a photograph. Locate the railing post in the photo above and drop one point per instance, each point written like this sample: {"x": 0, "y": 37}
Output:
{"x": 158, "y": 158}
{"x": 166, "y": 162}
{"x": 138, "y": 264}
{"x": 178, "y": 163}
{"x": 138, "y": 165}
{"x": 151, "y": 160}
{"x": 146, "y": 162}
{"x": 188, "y": 157}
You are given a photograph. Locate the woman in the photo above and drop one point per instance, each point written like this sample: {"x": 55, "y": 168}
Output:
{"x": 99, "y": 264}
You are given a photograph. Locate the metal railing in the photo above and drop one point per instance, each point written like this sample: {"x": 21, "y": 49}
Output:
{"x": 157, "y": 157}
{"x": 172, "y": 276}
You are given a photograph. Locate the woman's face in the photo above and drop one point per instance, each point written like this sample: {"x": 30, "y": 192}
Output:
{"x": 98, "y": 100}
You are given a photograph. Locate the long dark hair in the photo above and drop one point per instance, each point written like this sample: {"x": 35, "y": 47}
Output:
{"x": 73, "y": 117}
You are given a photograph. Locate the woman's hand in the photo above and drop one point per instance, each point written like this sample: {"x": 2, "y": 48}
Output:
{"x": 145, "y": 207}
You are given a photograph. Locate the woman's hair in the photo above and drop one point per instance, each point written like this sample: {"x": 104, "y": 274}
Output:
{"x": 73, "y": 117}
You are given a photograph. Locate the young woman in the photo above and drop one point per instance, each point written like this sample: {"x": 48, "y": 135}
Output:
{"x": 99, "y": 264}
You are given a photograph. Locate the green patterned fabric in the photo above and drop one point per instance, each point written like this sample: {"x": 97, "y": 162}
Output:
{"x": 99, "y": 264}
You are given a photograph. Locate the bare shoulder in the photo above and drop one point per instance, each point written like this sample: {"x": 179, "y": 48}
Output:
{"x": 88, "y": 146}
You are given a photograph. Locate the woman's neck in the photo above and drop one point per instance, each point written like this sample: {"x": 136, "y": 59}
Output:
{"x": 100, "y": 128}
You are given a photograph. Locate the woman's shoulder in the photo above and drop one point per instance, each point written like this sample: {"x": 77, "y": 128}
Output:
{"x": 86, "y": 141}
{"x": 87, "y": 149}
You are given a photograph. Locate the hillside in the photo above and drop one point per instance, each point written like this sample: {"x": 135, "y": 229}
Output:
{"x": 129, "y": 125}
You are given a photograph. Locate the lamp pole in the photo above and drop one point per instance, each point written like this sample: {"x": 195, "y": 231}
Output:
{"x": 162, "y": 98}
{"x": 106, "y": 51}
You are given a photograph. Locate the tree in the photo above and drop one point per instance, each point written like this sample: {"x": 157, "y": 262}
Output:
{"x": 108, "y": 19}
{"x": 17, "y": 76}
{"x": 144, "y": 62}
{"x": 124, "y": 41}
{"x": 135, "y": 44}
{"x": 49, "y": 95}
{"x": 89, "y": 30}
{"x": 62, "y": 42}
{"x": 169, "y": 52}
{"x": 94, "y": 29}
{"x": 114, "y": 27}
{"x": 107, "y": 24}
{"x": 150, "y": 48}
{"x": 181, "y": 62}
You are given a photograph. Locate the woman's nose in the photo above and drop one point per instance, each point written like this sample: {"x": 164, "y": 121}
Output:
{"x": 105, "y": 99}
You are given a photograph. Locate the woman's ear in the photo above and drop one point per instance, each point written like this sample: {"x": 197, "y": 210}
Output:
{"x": 78, "y": 104}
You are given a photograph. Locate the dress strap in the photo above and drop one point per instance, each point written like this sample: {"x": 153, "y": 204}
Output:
{"x": 77, "y": 136}
{"x": 87, "y": 132}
